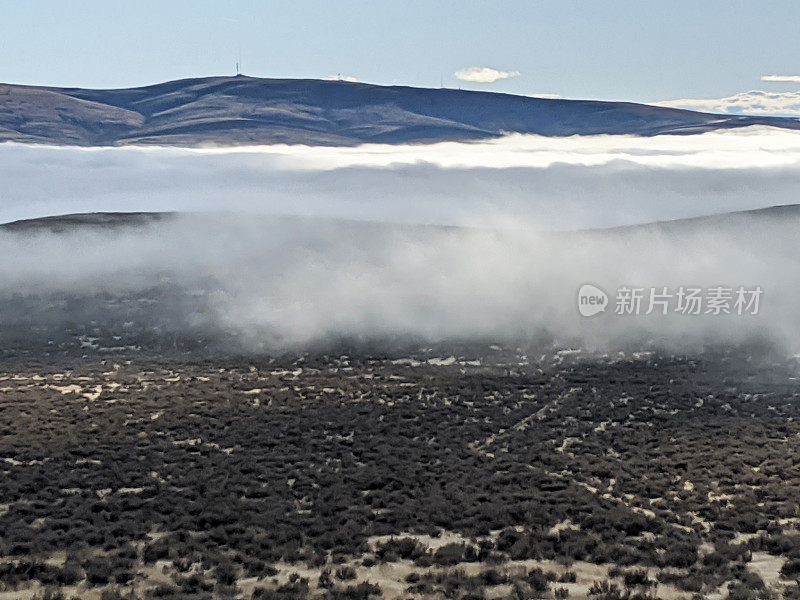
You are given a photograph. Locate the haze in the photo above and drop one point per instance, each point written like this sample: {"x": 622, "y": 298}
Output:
{"x": 551, "y": 183}
{"x": 278, "y": 282}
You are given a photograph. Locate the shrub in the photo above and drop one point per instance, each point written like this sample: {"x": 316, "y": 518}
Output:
{"x": 449, "y": 554}
{"x": 270, "y": 571}
{"x": 538, "y": 580}
{"x": 162, "y": 591}
{"x": 405, "y": 548}
{"x": 791, "y": 569}
{"x": 114, "y": 594}
{"x": 637, "y": 578}
{"x": 681, "y": 556}
{"x": 791, "y": 592}
{"x": 98, "y": 571}
{"x": 225, "y": 573}
{"x": 50, "y": 594}
{"x": 157, "y": 550}
{"x": 493, "y": 577}
{"x": 715, "y": 560}
{"x": 605, "y": 590}
{"x": 345, "y": 573}
{"x": 362, "y": 591}
{"x": 193, "y": 584}
{"x": 568, "y": 577}
{"x": 297, "y": 590}
{"x": 325, "y": 580}
{"x": 738, "y": 591}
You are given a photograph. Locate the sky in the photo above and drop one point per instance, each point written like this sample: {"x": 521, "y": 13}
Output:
{"x": 635, "y": 50}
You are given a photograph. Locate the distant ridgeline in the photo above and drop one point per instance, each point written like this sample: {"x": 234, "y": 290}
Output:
{"x": 245, "y": 110}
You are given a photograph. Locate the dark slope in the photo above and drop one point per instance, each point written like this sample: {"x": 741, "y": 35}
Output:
{"x": 116, "y": 220}
{"x": 73, "y": 222}
{"x": 246, "y": 110}
{"x": 739, "y": 222}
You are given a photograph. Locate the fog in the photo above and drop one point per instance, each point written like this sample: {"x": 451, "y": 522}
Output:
{"x": 505, "y": 273}
{"x": 551, "y": 183}
{"x": 286, "y": 283}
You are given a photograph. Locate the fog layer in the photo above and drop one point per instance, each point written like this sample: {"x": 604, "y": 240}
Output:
{"x": 273, "y": 282}
{"x": 551, "y": 183}
{"x": 265, "y": 283}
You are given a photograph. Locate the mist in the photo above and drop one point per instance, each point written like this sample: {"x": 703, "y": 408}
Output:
{"x": 406, "y": 244}
{"x": 263, "y": 284}
{"x": 550, "y": 183}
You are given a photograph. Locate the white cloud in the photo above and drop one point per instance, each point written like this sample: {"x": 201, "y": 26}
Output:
{"x": 348, "y": 78}
{"x": 578, "y": 181}
{"x": 746, "y": 148}
{"x": 483, "y": 74}
{"x": 782, "y": 78}
{"x": 754, "y": 102}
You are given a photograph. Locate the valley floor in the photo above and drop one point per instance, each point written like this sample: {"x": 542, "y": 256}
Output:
{"x": 481, "y": 473}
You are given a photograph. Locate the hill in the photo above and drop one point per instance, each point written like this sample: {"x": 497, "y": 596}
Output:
{"x": 246, "y": 110}
{"x": 71, "y": 223}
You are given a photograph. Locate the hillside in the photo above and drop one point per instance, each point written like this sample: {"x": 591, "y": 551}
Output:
{"x": 247, "y": 110}
{"x": 72, "y": 223}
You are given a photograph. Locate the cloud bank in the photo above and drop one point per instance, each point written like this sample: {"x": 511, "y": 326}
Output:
{"x": 754, "y": 102}
{"x": 551, "y": 183}
{"x": 268, "y": 282}
{"x": 483, "y": 74}
{"x": 340, "y": 77}
{"x": 782, "y": 78}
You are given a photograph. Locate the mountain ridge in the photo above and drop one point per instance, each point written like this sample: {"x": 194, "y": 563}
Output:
{"x": 243, "y": 110}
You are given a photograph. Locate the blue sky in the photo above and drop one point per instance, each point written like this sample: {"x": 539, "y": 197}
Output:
{"x": 623, "y": 50}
